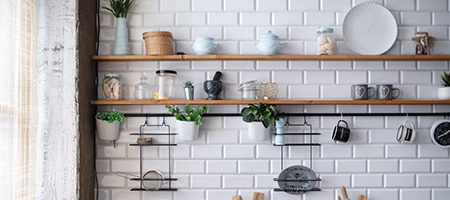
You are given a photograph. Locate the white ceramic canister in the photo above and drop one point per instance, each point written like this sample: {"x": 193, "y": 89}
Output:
{"x": 204, "y": 45}
{"x": 268, "y": 44}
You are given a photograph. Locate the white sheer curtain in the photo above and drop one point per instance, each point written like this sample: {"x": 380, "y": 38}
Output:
{"x": 18, "y": 106}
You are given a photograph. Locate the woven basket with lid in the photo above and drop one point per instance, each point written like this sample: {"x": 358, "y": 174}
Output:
{"x": 158, "y": 42}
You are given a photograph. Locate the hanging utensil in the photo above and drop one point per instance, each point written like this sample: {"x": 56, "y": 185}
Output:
{"x": 344, "y": 193}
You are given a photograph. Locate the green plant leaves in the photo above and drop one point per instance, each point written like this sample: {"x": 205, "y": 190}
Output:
{"x": 119, "y": 8}
{"x": 189, "y": 115}
{"x": 445, "y": 79}
{"x": 110, "y": 116}
{"x": 267, "y": 114}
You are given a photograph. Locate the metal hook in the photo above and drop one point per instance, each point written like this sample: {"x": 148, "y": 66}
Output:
{"x": 146, "y": 119}
{"x": 446, "y": 115}
{"x": 287, "y": 120}
{"x": 342, "y": 115}
{"x": 304, "y": 119}
{"x": 164, "y": 119}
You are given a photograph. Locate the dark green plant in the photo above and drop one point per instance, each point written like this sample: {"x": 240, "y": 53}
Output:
{"x": 267, "y": 114}
{"x": 445, "y": 79}
{"x": 110, "y": 116}
{"x": 189, "y": 114}
{"x": 119, "y": 8}
{"x": 188, "y": 84}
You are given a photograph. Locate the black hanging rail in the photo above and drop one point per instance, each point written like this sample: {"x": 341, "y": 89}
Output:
{"x": 444, "y": 114}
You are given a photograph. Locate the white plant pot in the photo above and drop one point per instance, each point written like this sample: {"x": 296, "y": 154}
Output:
{"x": 107, "y": 131}
{"x": 187, "y": 131}
{"x": 257, "y": 131}
{"x": 444, "y": 93}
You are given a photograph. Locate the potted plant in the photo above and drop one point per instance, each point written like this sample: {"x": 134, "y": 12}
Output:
{"x": 259, "y": 119}
{"x": 120, "y": 8}
{"x": 189, "y": 90}
{"x": 188, "y": 122}
{"x": 444, "y": 92}
{"x": 108, "y": 124}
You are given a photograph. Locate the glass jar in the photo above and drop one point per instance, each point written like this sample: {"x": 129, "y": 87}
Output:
{"x": 325, "y": 41}
{"x": 248, "y": 90}
{"x": 143, "y": 90}
{"x": 112, "y": 88}
{"x": 165, "y": 84}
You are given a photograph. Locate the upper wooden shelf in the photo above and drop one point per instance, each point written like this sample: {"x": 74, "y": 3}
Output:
{"x": 131, "y": 58}
{"x": 278, "y": 102}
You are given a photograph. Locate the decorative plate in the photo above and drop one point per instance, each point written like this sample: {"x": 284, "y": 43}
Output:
{"x": 369, "y": 29}
{"x": 296, "y": 179}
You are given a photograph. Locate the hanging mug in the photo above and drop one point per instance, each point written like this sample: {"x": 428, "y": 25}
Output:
{"x": 341, "y": 133}
{"x": 406, "y": 134}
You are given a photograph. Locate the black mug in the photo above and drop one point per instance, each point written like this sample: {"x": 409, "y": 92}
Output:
{"x": 341, "y": 133}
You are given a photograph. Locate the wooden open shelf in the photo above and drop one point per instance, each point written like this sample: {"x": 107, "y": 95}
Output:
{"x": 131, "y": 58}
{"x": 278, "y": 102}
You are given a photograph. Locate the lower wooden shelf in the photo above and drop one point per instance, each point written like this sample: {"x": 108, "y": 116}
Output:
{"x": 159, "y": 190}
{"x": 278, "y": 102}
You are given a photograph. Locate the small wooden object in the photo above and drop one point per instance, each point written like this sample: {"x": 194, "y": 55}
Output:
{"x": 344, "y": 193}
{"x": 144, "y": 140}
{"x": 339, "y": 198}
{"x": 236, "y": 197}
{"x": 258, "y": 196}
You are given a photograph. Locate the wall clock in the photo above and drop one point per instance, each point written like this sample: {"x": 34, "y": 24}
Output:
{"x": 440, "y": 133}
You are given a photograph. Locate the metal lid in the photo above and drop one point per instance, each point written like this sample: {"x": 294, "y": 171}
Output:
{"x": 112, "y": 75}
{"x": 325, "y": 30}
{"x": 268, "y": 35}
{"x": 166, "y": 72}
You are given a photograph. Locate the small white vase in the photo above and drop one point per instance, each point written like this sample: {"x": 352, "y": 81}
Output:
{"x": 121, "y": 46}
{"x": 444, "y": 93}
{"x": 187, "y": 131}
{"x": 257, "y": 131}
{"x": 107, "y": 131}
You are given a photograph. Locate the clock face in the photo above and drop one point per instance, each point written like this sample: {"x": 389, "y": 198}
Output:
{"x": 440, "y": 133}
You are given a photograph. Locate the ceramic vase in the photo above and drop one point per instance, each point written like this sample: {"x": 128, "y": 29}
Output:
{"x": 257, "y": 131}
{"x": 187, "y": 131}
{"x": 444, "y": 93}
{"x": 121, "y": 46}
{"x": 107, "y": 131}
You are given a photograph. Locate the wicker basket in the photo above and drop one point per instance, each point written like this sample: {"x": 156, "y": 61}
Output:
{"x": 158, "y": 42}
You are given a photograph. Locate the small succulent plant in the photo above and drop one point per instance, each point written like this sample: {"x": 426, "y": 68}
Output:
{"x": 445, "y": 79}
{"x": 188, "y": 84}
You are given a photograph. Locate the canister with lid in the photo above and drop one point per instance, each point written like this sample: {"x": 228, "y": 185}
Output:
{"x": 325, "y": 41}
{"x": 248, "y": 90}
{"x": 112, "y": 88}
{"x": 165, "y": 81}
{"x": 143, "y": 90}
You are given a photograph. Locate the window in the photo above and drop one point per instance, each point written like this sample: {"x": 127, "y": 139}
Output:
{"x": 18, "y": 107}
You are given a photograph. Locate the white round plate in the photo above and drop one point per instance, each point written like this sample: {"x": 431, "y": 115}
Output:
{"x": 296, "y": 179}
{"x": 369, "y": 29}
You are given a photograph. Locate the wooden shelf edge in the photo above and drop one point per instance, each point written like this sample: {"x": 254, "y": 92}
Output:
{"x": 278, "y": 102}
{"x": 131, "y": 58}
{"x": 127, "y": 58}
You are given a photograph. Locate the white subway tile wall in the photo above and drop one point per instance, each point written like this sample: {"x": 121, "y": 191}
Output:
{"x": 223, "y": 162}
